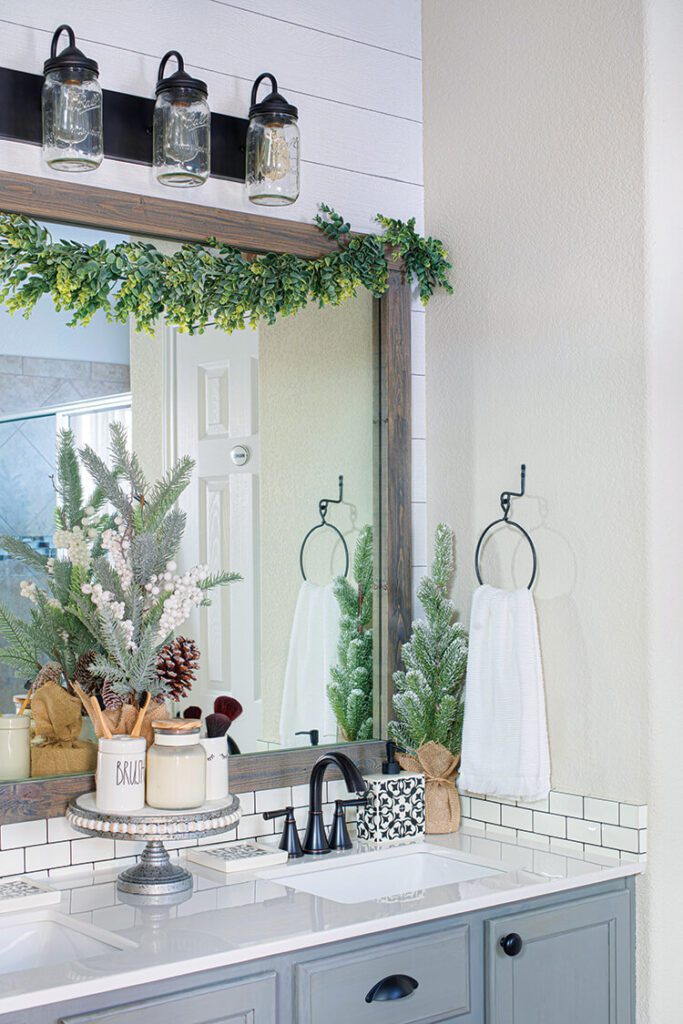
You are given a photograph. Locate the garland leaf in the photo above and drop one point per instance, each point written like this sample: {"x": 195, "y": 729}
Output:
{"x": 208, "y": 283}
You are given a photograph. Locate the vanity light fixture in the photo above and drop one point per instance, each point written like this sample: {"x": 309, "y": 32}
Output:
{"x": 272, "y": 148}
{"x": 182, "y": 127}
{"x": 72, "y": 108}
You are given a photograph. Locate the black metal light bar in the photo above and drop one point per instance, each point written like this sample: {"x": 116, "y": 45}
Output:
{"x": 127, "y": 125}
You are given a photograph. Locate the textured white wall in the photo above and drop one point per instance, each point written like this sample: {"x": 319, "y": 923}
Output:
{"x": 534, "y": 178}
{"x": 661, "y": 932}
{"x": 557, "y": 184}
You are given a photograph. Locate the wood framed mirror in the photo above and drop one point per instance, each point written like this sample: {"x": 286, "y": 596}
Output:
{"x": 176, "y": 222}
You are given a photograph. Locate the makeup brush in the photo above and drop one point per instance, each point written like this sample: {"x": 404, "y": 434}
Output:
{"x": 228, "y": 706}
{"x": 216, "y": 725}
{"x": 192, "y": 712}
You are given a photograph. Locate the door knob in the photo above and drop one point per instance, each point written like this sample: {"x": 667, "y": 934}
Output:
{"x": 511, "y": 944}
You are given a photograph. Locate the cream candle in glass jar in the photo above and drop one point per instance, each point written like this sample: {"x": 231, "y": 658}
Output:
{"x": 176, "y": 766}
{"x": 15, "y": 747}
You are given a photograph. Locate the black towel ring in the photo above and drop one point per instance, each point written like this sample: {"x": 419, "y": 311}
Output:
{"x": 505, "y": 501}
{"x": 322, "y": 509}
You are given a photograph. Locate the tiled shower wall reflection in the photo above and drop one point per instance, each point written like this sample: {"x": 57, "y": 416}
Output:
{"x": 27, "y": 459}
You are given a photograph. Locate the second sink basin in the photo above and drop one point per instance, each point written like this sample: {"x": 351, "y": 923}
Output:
{"x": 42, "y": 938}
{"x": 395, "y": 873}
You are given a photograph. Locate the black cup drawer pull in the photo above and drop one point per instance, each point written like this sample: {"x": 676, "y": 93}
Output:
{"x": 395, "y": 986}
{"x": 511, "y": 944}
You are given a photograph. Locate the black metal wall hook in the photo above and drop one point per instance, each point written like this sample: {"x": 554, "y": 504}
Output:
{"x": 505, "y": 503}
{"x": 323, "y": 506}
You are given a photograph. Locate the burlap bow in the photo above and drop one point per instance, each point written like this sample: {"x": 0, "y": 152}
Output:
{"x": 440, "y": 769}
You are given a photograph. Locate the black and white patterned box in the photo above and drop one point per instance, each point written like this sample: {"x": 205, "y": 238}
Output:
{"x": 395, "y": 808}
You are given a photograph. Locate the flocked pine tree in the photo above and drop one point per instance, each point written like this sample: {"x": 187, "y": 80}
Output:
{"x": 429, "y": 694}
{"x": 350, "y": 692}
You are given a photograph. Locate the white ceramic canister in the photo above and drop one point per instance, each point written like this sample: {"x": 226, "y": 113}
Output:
{"x": 216, "y": 748}
{"x": 176, "y": 766}
{"x": 121, "y": 774}
{"x": 15, "y": 747}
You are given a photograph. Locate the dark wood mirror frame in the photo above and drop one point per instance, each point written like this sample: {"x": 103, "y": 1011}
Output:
{"x": 163, "y": 218}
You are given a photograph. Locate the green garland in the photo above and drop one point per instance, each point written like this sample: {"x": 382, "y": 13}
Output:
{"x": 207, "y": 283}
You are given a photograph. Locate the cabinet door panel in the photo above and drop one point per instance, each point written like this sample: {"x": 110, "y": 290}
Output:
{"x": 248, "y": 1001}
{"x": 574, "y": 966}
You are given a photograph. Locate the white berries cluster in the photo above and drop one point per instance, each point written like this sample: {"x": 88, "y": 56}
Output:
{"x": 75, "y": 543}
{"x": 185, "y": 594}
{"x": 89, "y": 519}
{"x": 117, "y": 543}
{"x": 104, "y": 599}
{"x": 28, "y": 589}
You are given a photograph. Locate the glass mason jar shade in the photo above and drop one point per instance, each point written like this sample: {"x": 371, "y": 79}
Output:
{"x": 182, "y": 128}
{"x": 72, "y": 109}
{"x": 272, "y": 149}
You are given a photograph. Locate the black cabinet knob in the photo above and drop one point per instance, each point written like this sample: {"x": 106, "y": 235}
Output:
{"x": 396, "y": 986}
{"x": 511, "y": 944}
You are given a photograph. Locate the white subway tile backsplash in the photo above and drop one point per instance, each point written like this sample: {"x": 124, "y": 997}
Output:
{"x": 84, "y": 850}
{"x": 533, "y": 839}
{"x": 518, "y": 817}
{"x": 12, "y": 862}
{"x": 632, "y": 816}
{"x": 619, "y": 838}
{"x": 418, "y": 407}
{"x": 23, "y": 833}
{"x": 584, "y": 831}
{"x": 50, "y": 855}
{"x": 273, "y": 799}
{"x": 601, "y": 810}
{"x": 482, "y": 810}
{"x": 550, "y": 824}
{"x": 501, "y": 832}
{"x": 566, "y": 847}
{"x": 601, "y": 854}
{"x": 567, "y": 804}
{"x": 419, "y": 470}
{"x": 535, "y": 805}
{"x": 59, "y": 830}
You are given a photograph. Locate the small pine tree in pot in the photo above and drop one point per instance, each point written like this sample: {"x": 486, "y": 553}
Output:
{"x": 429, "y": 695}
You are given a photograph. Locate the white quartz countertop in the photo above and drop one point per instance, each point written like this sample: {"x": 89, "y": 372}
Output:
{"x": 236, "y": 918}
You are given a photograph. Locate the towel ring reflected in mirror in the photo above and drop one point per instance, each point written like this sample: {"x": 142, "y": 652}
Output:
{"x": 505, "y": 502}
{"x": 323, "y": 505}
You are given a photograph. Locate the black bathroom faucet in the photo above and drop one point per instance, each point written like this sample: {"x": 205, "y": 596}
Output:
{"x": 315, "y": 840}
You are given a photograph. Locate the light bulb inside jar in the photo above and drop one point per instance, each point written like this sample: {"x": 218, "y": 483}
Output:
{"x": 181, "y": 140}
{"x": 71, "y": 116}
{"x": 274, "y": 160}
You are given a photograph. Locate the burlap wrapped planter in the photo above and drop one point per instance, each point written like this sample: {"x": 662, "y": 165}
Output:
{"x": 442, "y": 801}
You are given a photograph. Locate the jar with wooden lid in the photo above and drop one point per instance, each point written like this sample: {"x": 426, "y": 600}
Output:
{"x": 176, "y": 766}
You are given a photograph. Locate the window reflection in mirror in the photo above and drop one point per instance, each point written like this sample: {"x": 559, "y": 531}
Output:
{"x": 272, "y": 417}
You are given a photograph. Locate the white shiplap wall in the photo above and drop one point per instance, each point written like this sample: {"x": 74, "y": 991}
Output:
{"x": 353, "y": 68}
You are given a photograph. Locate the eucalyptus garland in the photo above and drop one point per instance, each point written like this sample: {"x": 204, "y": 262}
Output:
{"x": 206, "y": 283}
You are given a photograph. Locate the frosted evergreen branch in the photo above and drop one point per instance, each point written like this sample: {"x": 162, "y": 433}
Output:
{"x": 23, "y": 552}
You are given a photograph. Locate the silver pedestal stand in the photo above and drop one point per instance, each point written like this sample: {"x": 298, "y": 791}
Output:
{"x": 154, "y": 874}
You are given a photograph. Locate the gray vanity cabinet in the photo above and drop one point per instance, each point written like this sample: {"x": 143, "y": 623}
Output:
{"x": 247, "y": 1001}
{"x": 561, "y": 965}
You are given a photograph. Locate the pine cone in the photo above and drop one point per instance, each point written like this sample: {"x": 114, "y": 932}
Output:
{"x": 82, "y": 675}
{"x": 177, "y": 666}
{"x": 51, "y": 672}
{"x": 112, "y": 700}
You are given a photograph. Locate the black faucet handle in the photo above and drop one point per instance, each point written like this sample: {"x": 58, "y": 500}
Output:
{"x": 290, "y": 834}
{"x": 313, "y": 735}
{"x": 339, "y": 838}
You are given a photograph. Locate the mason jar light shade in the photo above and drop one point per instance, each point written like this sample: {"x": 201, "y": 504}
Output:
{"x": 72, "y": 108}
{"x": 182, "y": 128}
{"x": 272, "y": 148}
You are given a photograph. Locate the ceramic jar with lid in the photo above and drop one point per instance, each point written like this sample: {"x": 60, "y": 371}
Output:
{"x": 15, "y": 747}
{"x": 121, "y": 774}
{"x": 176, "y": 766}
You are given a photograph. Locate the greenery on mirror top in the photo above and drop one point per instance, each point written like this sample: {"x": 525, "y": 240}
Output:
{"x": 106, "y": 607}
{"x": 203, "y": 284}
{"x": 350, "y": 693}
{"x": 429, "y": 695}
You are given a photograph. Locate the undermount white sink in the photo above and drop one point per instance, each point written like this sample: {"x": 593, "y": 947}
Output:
{"x": 382, "y": 875}
{"x": 42, "y": 938}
